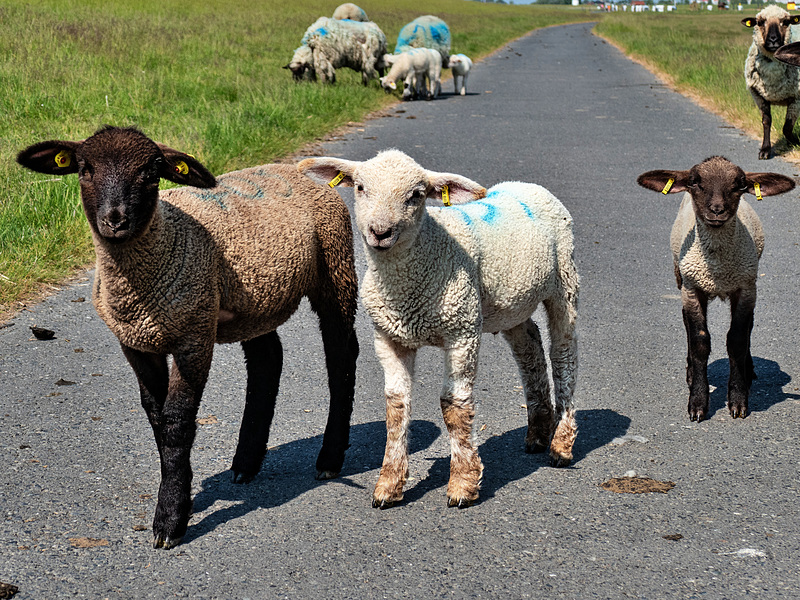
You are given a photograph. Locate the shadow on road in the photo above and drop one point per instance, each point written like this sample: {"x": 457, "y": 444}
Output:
{"x": 765, "y": 392}
{"x": 288, "y": 470}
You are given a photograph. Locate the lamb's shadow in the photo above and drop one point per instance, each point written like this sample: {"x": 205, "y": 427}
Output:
{"x": 504, "y": 458}
{"x": 765, "y": 391}
{"x": 288, "y": 471}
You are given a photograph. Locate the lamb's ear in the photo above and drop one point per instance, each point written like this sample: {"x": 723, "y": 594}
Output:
{"x": 789, "y": 54}
{"x": 54, "y": 157}
{"x": 185, "y": 169}
{"x": 749, "y": 22}
{"x": 453, "y": 189}
{"x": 666, "y": 182}
{"x": 794, "y": 19}
{"x": 328, "y": 171}
{"x": 770, "y": 184}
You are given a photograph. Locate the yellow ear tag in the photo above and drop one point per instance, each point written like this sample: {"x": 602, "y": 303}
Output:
{"x": 63, "y": 159}
{"x": 668, "y": 187}
{"x": 446, "y": 195}
{"x": 181, "y": 167}
{"x": 336, "y": 180}
{"x": 758, "y": 191}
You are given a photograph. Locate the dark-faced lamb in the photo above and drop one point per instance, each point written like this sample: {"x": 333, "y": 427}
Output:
{"x": 716, "y": 242}
{"x": 442, "y": 277}
{"x": 183, "y": 269}
{"x": 770, "y": 81}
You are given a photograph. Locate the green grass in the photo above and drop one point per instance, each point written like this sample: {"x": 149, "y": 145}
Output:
{"x": 204, "y": 77}
{"x": 700, "y": 53}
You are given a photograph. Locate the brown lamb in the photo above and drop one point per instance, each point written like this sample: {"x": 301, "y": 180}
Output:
{"x": 183, "y": 269}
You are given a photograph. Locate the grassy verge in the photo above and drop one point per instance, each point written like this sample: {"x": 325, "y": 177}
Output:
{"x": 701, "y": 54}
{"x": 204, "y": 77}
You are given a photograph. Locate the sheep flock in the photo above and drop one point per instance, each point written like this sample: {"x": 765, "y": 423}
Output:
{"x": 228, "y": 258}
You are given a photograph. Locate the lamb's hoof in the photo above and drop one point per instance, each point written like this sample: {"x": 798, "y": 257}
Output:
{"x": 558, "y": 461}
{"x": 535, "y": 448}
{"x": 383, "y": 504}
{"x": 166, "y": 543}
{"x": 738, "y": 412}
{"x": 323, "y": 475}
{"x": 460, "y": 502}
{"x": 240, "y": 478}
{"x": 764, "y": 154}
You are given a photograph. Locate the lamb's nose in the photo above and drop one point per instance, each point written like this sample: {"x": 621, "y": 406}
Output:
{"x": 381, "y": 234}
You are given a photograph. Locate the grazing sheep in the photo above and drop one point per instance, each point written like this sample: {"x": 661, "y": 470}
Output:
{"x": 441, "y": 277}
{"x": 716, "y": 242}
{"x": 461, "y": 65}
{"x": 181, "y": 269}
{"x": 425, "y": 32}
{"x": 330, "y": 44}
{"x": 420, "y": 69}
{"x": 770, "y": 81}
{"x": 348, "y": 10}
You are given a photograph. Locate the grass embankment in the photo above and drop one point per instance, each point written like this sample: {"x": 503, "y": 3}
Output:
{"x": 701, "y": 54}
{"x": 204, "y": 77}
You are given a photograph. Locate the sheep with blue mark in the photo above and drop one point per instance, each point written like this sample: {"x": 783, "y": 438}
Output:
{"x": 329, "y": 44}
{"x": 442, "y": 277}
{"x": 427, "y": 31}
{"x": 420, "y": 69}
{"x": 182, "y": 269}
{"x": 350, "y": 11}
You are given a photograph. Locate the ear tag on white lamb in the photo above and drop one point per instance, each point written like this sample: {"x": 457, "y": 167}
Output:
{"x": 759, "y": 197}
{"x": 336, "y": 180}
{"x": 181, "y": 167}
{"x": 446, "y": 195}
{"x": 63, "y": 159}
{"x": 668, "y": 187}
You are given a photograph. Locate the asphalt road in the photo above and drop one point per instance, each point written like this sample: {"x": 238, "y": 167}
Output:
{"x": 560, "y": 108}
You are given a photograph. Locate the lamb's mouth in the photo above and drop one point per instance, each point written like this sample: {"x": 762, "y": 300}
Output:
{"x": 716, "y": 222}
{"x": 381, "y": 240}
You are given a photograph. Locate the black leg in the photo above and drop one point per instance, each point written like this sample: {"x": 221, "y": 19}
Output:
{"x": 264, "y": 359}
{"x": 739, "y": 357}
{"x": 694, "y": 318}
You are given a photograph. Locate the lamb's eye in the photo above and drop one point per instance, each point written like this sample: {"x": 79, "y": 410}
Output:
{"x": 359, "y": 188}
{"x": 415, "y": 196}
{"x": 85, "y": 171}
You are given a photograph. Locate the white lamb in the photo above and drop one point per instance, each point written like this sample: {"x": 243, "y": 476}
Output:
{"x": 348, "y": 10}
{"x": 770, "y": 81}
{"x": 716, "y": 242}
{"x": 420, "y": 69}
{"x": 330, "y": 44}
{"x": 460, "y": 64}
{"x": 443, "y": 276}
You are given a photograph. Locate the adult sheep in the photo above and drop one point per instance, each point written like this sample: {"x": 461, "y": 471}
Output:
{"x": 770, "y": 81}
{"x": 425, "y": 32}
{"x": 351, "y": 11}
{"x": 442, "y": 277}
{"x": 183, "y": 269}
{"x": 716, "y": 242}
{"x": 330, "y": 44}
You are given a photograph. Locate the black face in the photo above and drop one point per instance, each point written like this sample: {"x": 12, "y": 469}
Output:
{"x": 119, "y": 177}
{"x": 716, "y": 190}
{"x": 773, "y": 32}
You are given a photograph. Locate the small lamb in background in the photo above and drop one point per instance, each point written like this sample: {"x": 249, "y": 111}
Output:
{"x": 442, "y": 277}
{"x": 421, "y": 72}
{"x": 771, "y": 81}
{"x": 716, "y": 242}
{"x": 461, "y": 64}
